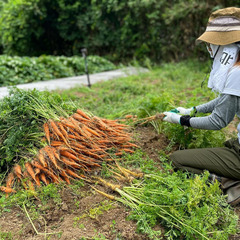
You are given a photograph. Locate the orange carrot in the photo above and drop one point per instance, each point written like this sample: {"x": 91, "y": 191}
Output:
{"x": 37, "y": 171}
{"x": 80, "y": 118}
{"x": 88, "y": 161}
{"x": 130, "y": 145}
{"x": 118, "y": 125}
{"x": 76, "y": 149}
{"x": 129, "y": 116}
{"x": 56, "y": 154}
{"x": 85, "y": 132}
{"x": 77, "y": 144}
{"x": 91, "y": 154}
{"x": 10, "y": 180}
{"x": 121, "y": 139}
{"x": 101, "y": 132}
{"x": 78, "y": 134}
{"x": 69, "y": 125}
{"x": 18, "y": 171}
{"x": 48, "y": 172}
{"x": 64, "y": 148}
{"x": 71, "y": 163}
{"x": 30, "y": 170}
{"x": 74, "y": 122}
{"x": 91, "y": 131}
{"x": 102, "y": 124}
{"x": 80, "y": 112}
{"x": 56, "y": 143}
{"x": 37, "y": 180}
{"x": 65, "y": 177}
{"x": 119, "y": 153}
{"x": 41, "y": 158}
{"x": 7, "y": 189}
{"x": 127, "y": 150}
{"x": 43, "y": 178}
{"x": 79, "y": 128}
{"x": 64, "y": 132}
{"x": 78, "y": 159}
{"x": 73, "y": 136}
{"x": 57, "y": 131}
{"x": 47, "y": 132}
{"x": 70, "y": 172}
{"x": 68, "y": 155}
{"x": 51, "y": 156}
{"x": 104, "y": 141}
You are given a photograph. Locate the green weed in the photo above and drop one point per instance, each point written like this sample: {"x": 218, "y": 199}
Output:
{"x": 94, "y": 213}
{"x": 51, "y": 191}
{"x": 6, "y": 236}
{"x": 104, "y": 206}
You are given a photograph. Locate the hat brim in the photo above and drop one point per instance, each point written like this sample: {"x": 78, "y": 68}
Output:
{"x": 220, "y": 38}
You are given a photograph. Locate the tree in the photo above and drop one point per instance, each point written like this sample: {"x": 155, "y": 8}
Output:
{"x": 119, "y": 29}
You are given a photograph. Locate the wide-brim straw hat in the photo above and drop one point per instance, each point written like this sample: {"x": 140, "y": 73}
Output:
{"x": 223, "y": 27}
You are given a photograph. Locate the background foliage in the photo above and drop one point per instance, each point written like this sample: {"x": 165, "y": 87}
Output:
{"x": 20, "y": 70}
{"x": 158, "y": 29}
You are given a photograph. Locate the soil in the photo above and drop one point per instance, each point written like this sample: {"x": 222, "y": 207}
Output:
{"x": 85, "y": 215}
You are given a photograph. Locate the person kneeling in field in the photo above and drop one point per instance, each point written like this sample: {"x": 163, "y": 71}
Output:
{"x": 222, "y": 37}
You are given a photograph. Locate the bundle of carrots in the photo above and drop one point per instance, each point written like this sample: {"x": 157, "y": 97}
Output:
{"x": 158, "y": 116}
{"x": 75, "y": 146}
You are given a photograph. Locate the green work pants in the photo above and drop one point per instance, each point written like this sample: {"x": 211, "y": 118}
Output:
{"x": 222, "y": 161}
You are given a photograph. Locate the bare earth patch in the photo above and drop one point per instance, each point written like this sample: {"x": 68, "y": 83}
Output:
{"x": 75, "y": 218}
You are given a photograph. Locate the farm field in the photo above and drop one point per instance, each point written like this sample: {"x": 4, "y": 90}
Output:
{"x": 182, "y": 201}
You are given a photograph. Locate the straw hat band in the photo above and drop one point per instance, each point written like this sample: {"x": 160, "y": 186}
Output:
{"x": 223, "y": 24}
{"x": 223, "y": 27}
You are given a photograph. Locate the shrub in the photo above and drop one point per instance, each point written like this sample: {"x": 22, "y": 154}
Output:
{"x": 19, "y": 70}
{"x": 160, "y": 30}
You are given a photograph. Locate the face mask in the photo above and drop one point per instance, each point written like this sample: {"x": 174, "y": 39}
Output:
{"x": 212, "y": 49}
{"x": 224, "y": 59}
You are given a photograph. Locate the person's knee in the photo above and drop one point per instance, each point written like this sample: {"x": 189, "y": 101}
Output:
{"x": 175, "y": 159}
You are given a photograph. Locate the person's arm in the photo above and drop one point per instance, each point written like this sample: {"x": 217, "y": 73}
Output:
{"x": 207, "y": 107}
{"x": 223, "y": 113}
{"x": 203, "y": 108}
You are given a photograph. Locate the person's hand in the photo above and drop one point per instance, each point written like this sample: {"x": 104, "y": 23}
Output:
{"x": 171, "y": 117}
{"x": 185, "y": 111}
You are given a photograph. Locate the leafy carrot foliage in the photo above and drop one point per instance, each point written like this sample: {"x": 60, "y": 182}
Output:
{"x": 22, "y": 115}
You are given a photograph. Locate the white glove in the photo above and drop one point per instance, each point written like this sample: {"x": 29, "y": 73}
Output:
{"x": 171, "y": 117}
{"x": 185, "y": 111}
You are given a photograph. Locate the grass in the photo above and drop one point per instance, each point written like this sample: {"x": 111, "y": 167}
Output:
{"x": 163, "y": 88}
{"x": 6, "y": 236}
{"x": 97, "y": 211}
{"x": 168, "y": 85}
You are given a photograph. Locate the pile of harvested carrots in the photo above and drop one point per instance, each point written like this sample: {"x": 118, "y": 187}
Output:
{"x": 75, "y": 146}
